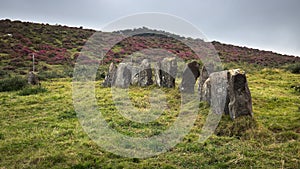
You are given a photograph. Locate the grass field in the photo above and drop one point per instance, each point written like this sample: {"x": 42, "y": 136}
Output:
{"x": 42, "y": 130}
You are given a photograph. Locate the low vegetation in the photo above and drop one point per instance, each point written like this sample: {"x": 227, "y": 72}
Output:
{"x": 41, "y": 129}
{"x": 294, "y": 68}
{"x": 57, "y": 47}
{"x": 32, "y": 90}
{"x": 12, "y": 83}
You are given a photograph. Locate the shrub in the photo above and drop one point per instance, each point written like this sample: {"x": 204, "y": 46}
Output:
{"x": 32, "y": 90}
{"x": 12, "y": 84}
{"x": 294, "y": 68}
{"x": 50, "y": 75}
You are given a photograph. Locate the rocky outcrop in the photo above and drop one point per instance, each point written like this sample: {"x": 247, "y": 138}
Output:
{"x": 165, "y": 72}
{"x": 189, "y": 77}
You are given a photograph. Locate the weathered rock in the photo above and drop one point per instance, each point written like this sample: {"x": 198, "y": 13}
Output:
{"x": 111, "y": 75}
{"x": 228, "y": 91}
{"x": 240, "y": 102}
{"x": 189, "y": 77}
{"x": 204, "y": 74}
{"x": 157, "y": 73}
{"x": 218, "y": 91}
{"x": 216, "y": 83}
{"x": 134, "y": 74}
{"x": 145, "y": 74}
{"x": 32, "y": 78}
{"x": 123, "y": 75}
{"x": 165, "y": 72}
{"x": 205, "y": 94}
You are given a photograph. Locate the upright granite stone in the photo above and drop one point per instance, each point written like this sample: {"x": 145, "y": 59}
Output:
{"x": 145, "y": 74}
{"x": 134, "y": 74}
{"x": 111, "y": 75}
{"x": 32, "y": 78}
{"x": 123, "y": 75}
{"x": 157, "y": 73}
{"x": 165, "y": 72}
{"x": 204, "y": 74}
{"x": 229, "y": 91}
{"x": 205, "y": 94}
{"x": 218, "y": 84}
{"x": 189, "y": 77}
{"x": 240, "y": 102}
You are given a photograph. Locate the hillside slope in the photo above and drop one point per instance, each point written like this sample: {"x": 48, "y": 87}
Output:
{"x": 56, "y": 48}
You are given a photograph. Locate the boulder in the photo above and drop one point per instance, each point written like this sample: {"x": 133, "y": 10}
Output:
{"x": 32, "y": 78}
{"x": 189, "y": 77}
{"x": 165, "y": 72}
{"x": 145, "y": 74}
{"x": 111, "y": 75}
{"x": 123, "y": 76}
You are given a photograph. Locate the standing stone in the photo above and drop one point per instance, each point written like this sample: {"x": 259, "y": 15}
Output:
{"x": 145, "y": 74}
{"x": 110, "y": 77}
{"x": 32, "y": 78}
{"x": 165, "y": 72}
{"x": 218, "y": 91}
{"x": 134, "y": 74}
{"x": 205, "y": 94}
{"x": 228, "y": 91}
{"x": 189, "y": 77}
{"x": 240, "y": 102}
{"x": 123, "y": 76}
{"x": 158, "y": 73}
{"x": 214, "y": 85}
{"x": 204, "y": 74}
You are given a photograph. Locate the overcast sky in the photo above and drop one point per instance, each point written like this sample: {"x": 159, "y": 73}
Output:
{"x": 264, "y": 24}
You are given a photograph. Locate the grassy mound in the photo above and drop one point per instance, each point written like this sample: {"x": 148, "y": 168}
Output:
{"x": 244, "y": 128}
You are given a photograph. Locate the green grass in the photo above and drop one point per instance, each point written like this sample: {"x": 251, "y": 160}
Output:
{"x": 41, "y": 130}
{"x": 29, "y": 90}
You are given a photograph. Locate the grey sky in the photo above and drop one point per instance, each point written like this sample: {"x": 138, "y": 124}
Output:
{"x": 265, "y": 24}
